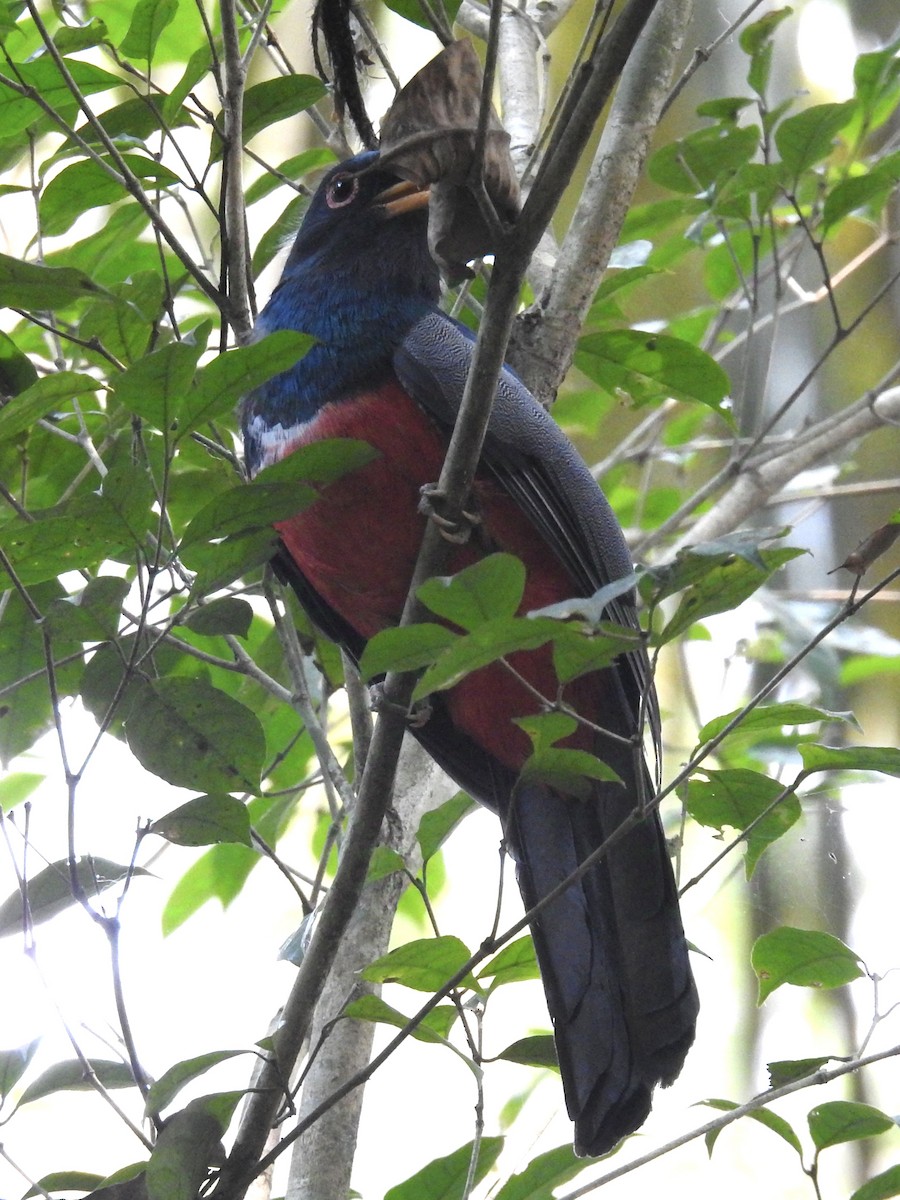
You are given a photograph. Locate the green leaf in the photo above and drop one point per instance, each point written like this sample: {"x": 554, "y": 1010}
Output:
{"x": 723, "y": 586}
{"x": 651, "y": 367}
{"x": 64, "y": 1181}
{"x": 566, "y": 769}
{"x": 579, "y": 651}
{"x": 536, "y": 1051}
{"x": 44, "y": 77}
{"x": 839, "y": 1121}
{"x": 218, "y": 564}
{"x": 884, "y": 759}
{"x": 228, "y": 614}
{"x": 314, "y": 159}
{"x": 405, "y": 648}
{"x": 425, "y": 964}
{"x": 513, "y": 963}
{"x": 198, "y": 67}
{"x": 206, "y": 821}
{"x": 876, "y": 76}
{"x": 14, "y": 1064}
{"x": 762, "y": 1116}
{"x": 542, "y": 1175}
{"x": 220, "y": 384}
{"x": 490, "y": 588}
{"x": 148, "y": 19}
{"x": 164, "y": 1090}
{"x": 155, "y": 387}
{"x": 804, "y": 958}
{"x": 93, "y": 614}
{"x": 385, "y": 861}
{"x": 492, "y": 640}
{"x": 188, "y": 1144}
{"x": 71, "y": 1076}
{"x": 412, "y": 11}
{"x": 278, "y": 492}
{"x": 196, "y": 736}
{"x": 772, "y": 716}
{"x": 27, "y": 285}
{"x": 17, "y": 372}
{"x": 16, "y": 787}
{"x": 372, "y": 1008}
{"x": 862, "y": 191}
{"x": 704, "y": 159}
{"x": 87, "y": 184}
{"x": 50, "y": 890}
{"x": 756, "y": 41}
{"x": 739, "y": 797}
{"x": 436, "y": 826}
{"x": 45, "y": 396}
{"x": 219, "y": 874}
{"x": 880, "y": 1187}
{"x": 789, "y": 1069}
{"x": 279, "y": 233}
{"x": 445, "y": 1178}
{"x": 805, "y": 139}
{"x": 274, "y": 100}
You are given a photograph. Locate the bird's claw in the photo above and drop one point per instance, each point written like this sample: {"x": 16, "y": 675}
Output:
{"x": 417, "y": 715}
{"x": 456, "y": 529}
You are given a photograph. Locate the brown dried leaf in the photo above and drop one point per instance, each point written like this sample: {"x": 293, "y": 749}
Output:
{"x": 428, "y": 137}
{"x": 871, "y": 549}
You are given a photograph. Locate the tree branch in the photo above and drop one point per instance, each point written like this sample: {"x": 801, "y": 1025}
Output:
{"x": 544, "y": 343}
{"x": 322, "y": 1158}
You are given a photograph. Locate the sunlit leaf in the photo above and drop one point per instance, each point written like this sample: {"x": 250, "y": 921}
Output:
{"x": 445, "y": 1178}
{"x": 488, "y": 589}
{"x": 804, "y": 958}
{"x": 425, "y": 965}
{"x": 739, "y": 799}
{"x": 652, "y": 367}
{"x": 435, "y": 826}
{"x": 838, "y": 1121}
{"x": 513, "y": 963}
{"x": 763, "y": 1116}
{"x": 883, "y": 759}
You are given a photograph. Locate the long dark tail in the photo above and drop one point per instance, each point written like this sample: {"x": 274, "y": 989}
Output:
{"x": 612, "y": 954}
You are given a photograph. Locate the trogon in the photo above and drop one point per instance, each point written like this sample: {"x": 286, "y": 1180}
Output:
{"x": 388, "y": 367}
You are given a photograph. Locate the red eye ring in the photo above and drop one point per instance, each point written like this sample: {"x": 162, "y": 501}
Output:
{"x": 341, "y": 191}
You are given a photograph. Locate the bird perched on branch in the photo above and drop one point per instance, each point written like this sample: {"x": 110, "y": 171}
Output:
{"x": 389, "y": 368}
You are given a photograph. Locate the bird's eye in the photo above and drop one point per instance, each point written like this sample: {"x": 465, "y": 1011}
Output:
{"x": 341, "y": 191}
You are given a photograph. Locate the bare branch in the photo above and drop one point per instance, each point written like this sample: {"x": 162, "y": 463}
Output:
{"x": 545, "y": 342}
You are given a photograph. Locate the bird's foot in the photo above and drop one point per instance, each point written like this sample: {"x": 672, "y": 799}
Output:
{"x": 417, "y": 715}
{"x": 456, "y": 528}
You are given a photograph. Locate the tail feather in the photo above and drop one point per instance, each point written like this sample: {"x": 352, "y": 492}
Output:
{"x": 612, "y": 954}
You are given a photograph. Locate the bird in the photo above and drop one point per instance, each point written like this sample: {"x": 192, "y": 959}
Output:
{"x": 388, "y": 367}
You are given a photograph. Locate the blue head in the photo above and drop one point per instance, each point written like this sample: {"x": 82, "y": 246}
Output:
{"x": 358, "y": 276}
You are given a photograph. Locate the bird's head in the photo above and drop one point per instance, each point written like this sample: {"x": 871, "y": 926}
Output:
{"x": 367, "y": 229}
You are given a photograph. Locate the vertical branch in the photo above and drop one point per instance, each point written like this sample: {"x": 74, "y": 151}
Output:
{"x": 322, "y": 1158}
{"x": 545, "y": 344}
{"x": 234, "y": 242}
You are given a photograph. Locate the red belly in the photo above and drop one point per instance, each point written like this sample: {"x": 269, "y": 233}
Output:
{"x": 358, "y": 544}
